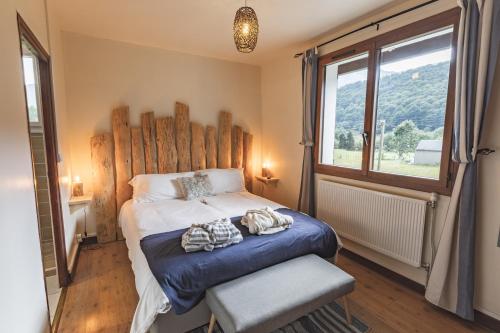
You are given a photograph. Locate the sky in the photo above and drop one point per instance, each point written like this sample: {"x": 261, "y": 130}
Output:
{"x": 29, "y": 77}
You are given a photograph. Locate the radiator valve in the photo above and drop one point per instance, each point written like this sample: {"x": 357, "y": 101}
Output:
{"x": 434, "y": 199}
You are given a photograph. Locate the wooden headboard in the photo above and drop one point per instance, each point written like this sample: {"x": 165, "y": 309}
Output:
{"x": 159, "y": 145}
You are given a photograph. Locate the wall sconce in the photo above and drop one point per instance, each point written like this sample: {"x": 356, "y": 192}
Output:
{"x": 77, "y": 187}
{"x": 265, "y": 169}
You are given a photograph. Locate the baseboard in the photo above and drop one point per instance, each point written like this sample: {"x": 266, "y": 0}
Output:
{"x": 480, "y": 317}
{"x": 59, "y": 310}
{"x": 73, "y": 254}
{"x": 74, "y": 264}
{"x": 91, "y": 240}
{"x": 384, "y": 271}
{"x": 487, "y": 321}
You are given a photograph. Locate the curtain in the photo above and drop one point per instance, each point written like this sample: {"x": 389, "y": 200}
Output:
{"x": 451, "y": 281}
{"x": 309, "y": 89}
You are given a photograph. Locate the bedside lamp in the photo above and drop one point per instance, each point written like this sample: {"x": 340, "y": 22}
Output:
{"x": 265, "y": 169}
{"x": 267, "y": 176}
{"x": 77, "y": 187}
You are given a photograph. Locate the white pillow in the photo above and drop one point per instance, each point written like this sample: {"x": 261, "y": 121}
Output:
{"x": 225, "y": 180}
{"x": 154, "y": 187}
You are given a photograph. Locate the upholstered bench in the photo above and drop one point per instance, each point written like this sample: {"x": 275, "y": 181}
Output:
{"x": 277, "y": 295}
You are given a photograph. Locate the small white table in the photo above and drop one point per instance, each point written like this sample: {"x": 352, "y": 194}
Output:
{"x": 267, "y": 180}
{"x": 81, "y": 202}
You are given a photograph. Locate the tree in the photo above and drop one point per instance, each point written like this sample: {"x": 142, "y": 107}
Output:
{"x": 342, "y": 141}
{"x": 399, "y": 98}
{"x": 349, "y": 143}
{"x": 406, "y": 138}
{"x": 33, "y": 113}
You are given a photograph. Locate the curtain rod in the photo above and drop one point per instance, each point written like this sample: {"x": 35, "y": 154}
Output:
{"x": 376, "y": 23}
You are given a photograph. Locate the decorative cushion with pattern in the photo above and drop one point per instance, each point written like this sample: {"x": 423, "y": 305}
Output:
{"x": 195, "y": 187}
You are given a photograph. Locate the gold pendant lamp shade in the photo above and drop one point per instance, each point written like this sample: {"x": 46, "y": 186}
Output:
{"x": 245, "y": 29}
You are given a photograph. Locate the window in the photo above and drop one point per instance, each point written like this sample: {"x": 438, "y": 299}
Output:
{"x": 31, "y": 85}
{"x": 385, "y": 111}
{"x": 344, "y": 107}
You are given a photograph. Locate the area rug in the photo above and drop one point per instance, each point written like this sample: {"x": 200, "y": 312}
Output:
{"x": 328, "y": 319}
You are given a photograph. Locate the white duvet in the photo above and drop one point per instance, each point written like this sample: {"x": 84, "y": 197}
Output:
{"x": 139, "y": 220}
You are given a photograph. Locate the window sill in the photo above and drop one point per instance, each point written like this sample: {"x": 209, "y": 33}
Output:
{"x": 406, "y": 182}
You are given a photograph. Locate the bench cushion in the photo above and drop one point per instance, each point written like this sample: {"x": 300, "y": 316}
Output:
{"x": 277, "y": 295}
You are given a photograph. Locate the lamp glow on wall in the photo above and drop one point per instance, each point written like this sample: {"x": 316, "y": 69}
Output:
{"x": 245, "y": 29}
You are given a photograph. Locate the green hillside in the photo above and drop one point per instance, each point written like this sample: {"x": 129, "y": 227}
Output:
{"x": 402, "y": 96}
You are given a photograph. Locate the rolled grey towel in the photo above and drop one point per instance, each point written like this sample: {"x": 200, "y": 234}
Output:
{"x": 208, "y": 236}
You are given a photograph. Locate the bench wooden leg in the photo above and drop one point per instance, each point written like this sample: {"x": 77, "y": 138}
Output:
{"x": 347, "y": 310}
{"x": 212, "y": 324}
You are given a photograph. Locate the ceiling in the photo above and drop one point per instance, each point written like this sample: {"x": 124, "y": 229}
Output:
{"x": 204, "y": 27}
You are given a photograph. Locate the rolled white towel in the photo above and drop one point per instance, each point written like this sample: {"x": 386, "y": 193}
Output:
{"x": 266, "y": 221}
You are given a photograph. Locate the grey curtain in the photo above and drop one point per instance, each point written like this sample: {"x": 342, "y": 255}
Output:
{"x": 309, "y": 89}
{"x": 451, "y": 282}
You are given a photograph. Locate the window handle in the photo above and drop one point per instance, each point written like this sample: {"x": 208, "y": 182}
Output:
{"x": 365, "y": 137}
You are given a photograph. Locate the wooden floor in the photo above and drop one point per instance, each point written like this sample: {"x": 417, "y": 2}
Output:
{"x": 102, "y": 298}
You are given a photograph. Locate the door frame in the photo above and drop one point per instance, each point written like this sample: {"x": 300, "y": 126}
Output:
{"x": 50, "y": 138}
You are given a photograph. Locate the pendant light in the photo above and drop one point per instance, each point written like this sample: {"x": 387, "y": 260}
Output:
{"x": 245, "y": 29}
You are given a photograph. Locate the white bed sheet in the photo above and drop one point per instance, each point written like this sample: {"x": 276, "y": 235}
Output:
{"x": 139, "y": 220}
{"x": 237, "y": 204}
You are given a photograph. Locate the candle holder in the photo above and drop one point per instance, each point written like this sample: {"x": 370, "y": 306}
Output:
{"x": 77, "y": 187}
{"x": 265, "y": 170}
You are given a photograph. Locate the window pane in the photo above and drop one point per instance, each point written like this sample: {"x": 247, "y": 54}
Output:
{"x": 344, "y": 112}
{"x": 411, "y": 105}
{"x": 30, "y": 82}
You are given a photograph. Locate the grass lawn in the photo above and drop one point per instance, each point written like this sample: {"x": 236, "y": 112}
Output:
{"x": 390, "y": 164}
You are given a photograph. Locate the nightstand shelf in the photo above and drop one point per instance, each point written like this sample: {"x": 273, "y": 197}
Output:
{"x": 266, "y": 180}
{"x": 82, "y": 200}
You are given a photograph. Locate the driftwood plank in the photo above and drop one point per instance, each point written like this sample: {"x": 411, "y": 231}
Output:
{"x": 104, "y": 204}
{"x": 224, "y": 155}
{"x": 182, "y": 137}
{"x": 123, "y": 156}
{"x": 167, "y": 153}
{"x": 237, "y": 147}
{"x": 138, "y": 167}
{"x": 198, "y": 152}
{"x": 211, "y": 147}
{"x": 248, "y": 160}
{"x": 149, "y": 134}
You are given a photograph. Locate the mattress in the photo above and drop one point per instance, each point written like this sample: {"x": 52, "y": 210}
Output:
{"x": 139, "y": 220}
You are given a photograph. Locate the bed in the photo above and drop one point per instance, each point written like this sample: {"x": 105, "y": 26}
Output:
{"x": 159, "y": 150}
{"x": 140, "y": 220}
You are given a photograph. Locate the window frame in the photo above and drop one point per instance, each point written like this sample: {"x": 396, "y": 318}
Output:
{"x": 448, "y": 168}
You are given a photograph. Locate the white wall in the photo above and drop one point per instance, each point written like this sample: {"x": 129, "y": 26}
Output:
{"x": 101, "y": 74}
{"x": 23, "y": 306}
{"x": 281, "y": 99}
{"x": 63, "y": 132}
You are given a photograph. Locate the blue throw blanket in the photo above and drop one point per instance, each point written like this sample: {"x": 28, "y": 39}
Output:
{"x": 184, "y": 277}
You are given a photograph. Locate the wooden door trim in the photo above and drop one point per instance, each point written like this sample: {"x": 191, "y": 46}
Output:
{"x": 50, "y": 137}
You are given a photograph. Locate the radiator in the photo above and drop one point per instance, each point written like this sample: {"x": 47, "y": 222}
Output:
{"x": 389, "y": 224}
